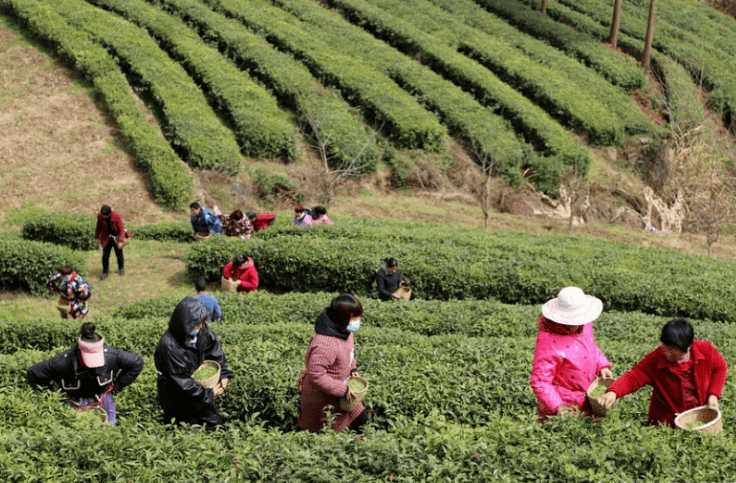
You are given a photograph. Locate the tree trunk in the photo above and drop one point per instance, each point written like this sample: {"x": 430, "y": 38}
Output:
{"x": 544, "y": 6}
{"x": 646, "y": 58}
{"x": 615, "y": 24}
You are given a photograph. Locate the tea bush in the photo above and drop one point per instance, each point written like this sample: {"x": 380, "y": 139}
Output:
{"x": 73, "y": 230}
{"x": 27, "y": 265}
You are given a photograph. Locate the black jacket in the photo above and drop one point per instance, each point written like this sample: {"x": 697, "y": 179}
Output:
{"x": 67, "y": 372}
{"x": 178, "y": 394}
{"x": 387, "y": 283}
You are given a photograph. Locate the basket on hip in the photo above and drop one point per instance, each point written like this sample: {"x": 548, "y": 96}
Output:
{"x": 228, "y": 285}
{"x": 403, "y": 293}
{"x": 702, "y": 418}
{"x": 204, "y": 376}
{"x": 64, "y": 306}
{"x": 202, "y": 235}
{"x": 359, "y": 393}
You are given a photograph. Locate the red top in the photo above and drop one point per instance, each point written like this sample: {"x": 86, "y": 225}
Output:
{"x": 103, "y": 234}
{"x": 668, "y": 394}
{"x": 263, "y": 221}
{"x": 247, "y": 274}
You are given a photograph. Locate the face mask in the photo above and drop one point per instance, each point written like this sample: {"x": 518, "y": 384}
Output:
{"x": 354, "y": 325}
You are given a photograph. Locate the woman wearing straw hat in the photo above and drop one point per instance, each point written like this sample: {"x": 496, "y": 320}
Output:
{"x": 90, "y": 372}
{"x": 684, "y": 374}
{"x": 566, "y": 357}
{"x": 330, "y": 362}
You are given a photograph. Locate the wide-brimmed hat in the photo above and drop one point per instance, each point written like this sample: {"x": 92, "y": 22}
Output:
{"x": 572, "y": 307}
{"x": 93, "y": 353}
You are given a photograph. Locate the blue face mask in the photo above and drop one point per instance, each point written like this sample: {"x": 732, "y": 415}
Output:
{"x": 192, "y": 341}
{"x": 354, "y": 326}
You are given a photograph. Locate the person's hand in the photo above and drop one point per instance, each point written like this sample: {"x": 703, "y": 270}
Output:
{"x": 607, "y": 400}
{"x": 224, "y": 382}
{"x": 350, "y": 396}
{"x": 606, "y": 373}
{"x": 119, "y": 245}
{"x": 712, "y": 402}
{"x": 220, "y": 387}
{"x": 568, "y": 411}
{"x": 97, "y": 241}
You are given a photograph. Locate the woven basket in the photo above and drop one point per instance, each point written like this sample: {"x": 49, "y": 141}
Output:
{"x": 63, "y": 306}
{"x": 404, "y": 293}
{"x": 202, "y": 235}
{"x": 228, "y": 285}
{"x": 711, "y": 419}
{"x": 359, "y": 395}
{"x": 595, "y": 404}
{"x": 210, "y": 382}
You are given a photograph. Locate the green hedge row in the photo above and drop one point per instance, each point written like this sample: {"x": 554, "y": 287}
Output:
{"x": 291, "y": 82}
{"x": 478, "y": 126}
{"x": 405, "y": 121}
{"x": 619, "y": 70}
{"x": 169, "y": 180}
{"x": 27, "y": 265}
{"x": 701, "y": 55}
{"x": 406, "y": 26}
{"x": 77, "y": 230}
{"x": 512, "y": 267}
{"x": 261, "y": 128}
{"x": 191, "y": 125}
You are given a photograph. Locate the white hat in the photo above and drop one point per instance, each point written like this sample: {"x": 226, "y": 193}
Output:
{"x": 572, "y": 307}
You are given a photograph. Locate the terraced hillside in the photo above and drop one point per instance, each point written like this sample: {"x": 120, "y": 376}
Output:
{"x": 234, "y": 80}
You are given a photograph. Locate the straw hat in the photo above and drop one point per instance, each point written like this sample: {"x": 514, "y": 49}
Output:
{"x": 572, "y": 307}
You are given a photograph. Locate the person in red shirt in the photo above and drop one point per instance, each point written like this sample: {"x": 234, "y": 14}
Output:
{"x": 243, "y": 269}
{"x": 684, "y": 374}
{"x": 261, "y": 221}
{"x": 110, "y": 233}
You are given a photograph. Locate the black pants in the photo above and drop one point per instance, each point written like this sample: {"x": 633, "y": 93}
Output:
{"x": 106, "y": 256}
{"x": 357, "y": 424}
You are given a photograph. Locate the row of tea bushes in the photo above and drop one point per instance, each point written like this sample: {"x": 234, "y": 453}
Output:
{"x": 77, "y": 230}
{"x": 27, "y": 265}
{"x": 261, "y": 128}
{"x": 511, "y": 267}
{"x": 290, "y": 81}
{"x": 168, "y": 177}
{"x": 410, "y": 125}
{"x": 194, "y": 128}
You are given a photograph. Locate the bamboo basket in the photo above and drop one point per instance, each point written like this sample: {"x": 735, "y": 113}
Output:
{"x": 404, "y": 293}
{"x": 63, "y": 306}
{"x": 210, "y": 382}
{"x": 359, "y": 395}
{"x": 711, "y": 419}
{"x": 202, "y": 235}
{"x": 595, "y": 404}
{"x": 227, "y": 285}
{"x": 98, "y": 411}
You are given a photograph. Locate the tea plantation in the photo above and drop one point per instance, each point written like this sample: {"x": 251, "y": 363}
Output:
{"x": 449, "y": 391}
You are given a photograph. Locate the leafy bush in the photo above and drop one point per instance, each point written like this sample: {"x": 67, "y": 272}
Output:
{"x": 27, "y": 265}
{"x": 73, "y": 230}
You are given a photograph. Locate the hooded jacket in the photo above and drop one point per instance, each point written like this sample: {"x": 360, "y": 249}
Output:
{"x": 178, "y": 394}
{"x": 330, "y": 358}
{"x": 68, "y": 373}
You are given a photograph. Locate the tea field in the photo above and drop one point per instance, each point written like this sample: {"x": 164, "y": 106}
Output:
{"x": 448, "y": 373}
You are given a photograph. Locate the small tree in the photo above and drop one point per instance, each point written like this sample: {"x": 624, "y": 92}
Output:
{"x": 574, "y": 190}
{"x": 487, "y": 161}
{"x": 336, "y": 170}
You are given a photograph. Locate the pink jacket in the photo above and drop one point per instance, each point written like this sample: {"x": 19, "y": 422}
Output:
{"x": 563, "y": 368}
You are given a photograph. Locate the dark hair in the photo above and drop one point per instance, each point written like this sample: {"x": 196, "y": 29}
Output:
{"x": 105, "y": 210}
{"x": 343, "y": 308}
{"x": 194, "y": 205}
{"x": 239, "y": 261}
{"x": 319, "y": 211}
{"x": 251, "y": 216}
{"x": 237, "y": 215}
{"x": 88, "y": 334}
{"x": 200, "y": 284}
{"x": 391, "y": 262}
{"x": 678, "y": 332}
{"x": 66, "y": 270}
{"x": 299, "y": 209}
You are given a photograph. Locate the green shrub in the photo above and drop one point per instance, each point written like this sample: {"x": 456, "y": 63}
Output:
{"x": 27, "y": 265}
{"x": 73, "y": 230}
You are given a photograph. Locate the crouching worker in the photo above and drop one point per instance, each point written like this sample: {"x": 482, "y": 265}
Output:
{"x": 684, "y": 373}
{"x": 186, "y": 344}
{"x": 90, "y": 372}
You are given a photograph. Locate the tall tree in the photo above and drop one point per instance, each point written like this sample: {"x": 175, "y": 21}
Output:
{"x": 615, "y": 24}
{"x": 544, "y": 6}
{"x": 646, "y": 58}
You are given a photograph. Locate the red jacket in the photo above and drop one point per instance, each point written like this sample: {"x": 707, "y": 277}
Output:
{"x": 667, "y": 399}
{"x": 102, "y": 233}
{"x": 247, "y": 274}
{"x": 263, "y": 220}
